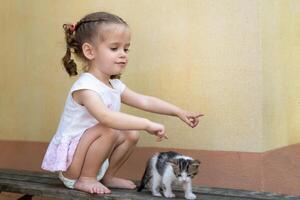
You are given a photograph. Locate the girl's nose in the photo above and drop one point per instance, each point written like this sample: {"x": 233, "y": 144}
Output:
{"x": 123, "y": 54}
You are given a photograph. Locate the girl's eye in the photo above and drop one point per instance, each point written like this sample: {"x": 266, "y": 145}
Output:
{"x": 126, "y": 50}
{"x": 114, "y": 49}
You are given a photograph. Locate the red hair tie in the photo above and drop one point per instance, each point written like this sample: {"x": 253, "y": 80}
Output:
{"x": 72, "y": 27}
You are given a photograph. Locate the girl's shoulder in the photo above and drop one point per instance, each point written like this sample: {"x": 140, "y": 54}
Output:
{"x": 86, "y": 81}
{"x": 86, "y": 77}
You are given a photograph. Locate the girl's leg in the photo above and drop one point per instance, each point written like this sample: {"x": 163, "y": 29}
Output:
{"x": 125, "y": 145}
{"x": 94, "y": 147}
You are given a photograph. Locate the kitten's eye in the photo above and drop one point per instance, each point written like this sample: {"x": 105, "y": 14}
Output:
{"x": 179, "y": 175}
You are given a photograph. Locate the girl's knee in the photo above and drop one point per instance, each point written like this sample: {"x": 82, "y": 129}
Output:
{"x": 132, "y": 136}
{"x": 119, "y": 136}
{"x": 107, "y": 131}
{"x": 113, "y": 134}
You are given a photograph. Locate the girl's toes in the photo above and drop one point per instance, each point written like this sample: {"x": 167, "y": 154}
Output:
{"x": 101, "y": 191}
{"x": 107, "y": 191}
{"x": 133, "y": 186}
{"x": 96, "y": 190}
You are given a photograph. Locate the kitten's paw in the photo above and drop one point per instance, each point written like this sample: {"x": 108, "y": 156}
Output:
{"x": 156, "y": 194}
{"x": 169, "y": 194}
{"x": 190, "y": 196}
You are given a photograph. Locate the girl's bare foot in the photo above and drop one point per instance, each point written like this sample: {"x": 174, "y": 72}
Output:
{"x": 115, "y": 182}
{"x": 91, "y": 185}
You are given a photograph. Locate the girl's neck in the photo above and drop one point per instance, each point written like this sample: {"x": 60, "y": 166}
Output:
{"x": 100, "y": 75}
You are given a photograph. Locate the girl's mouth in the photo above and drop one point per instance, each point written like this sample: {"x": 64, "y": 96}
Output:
{"x": 121, "y": 63}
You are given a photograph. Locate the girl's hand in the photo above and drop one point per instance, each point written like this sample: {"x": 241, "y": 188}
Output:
{"x": 191, "y": 119}
{"x": 157, "y": 130}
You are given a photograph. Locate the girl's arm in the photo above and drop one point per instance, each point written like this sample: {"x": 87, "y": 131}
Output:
{"x": 155, "y": 105}
{"x": 112, "y": 119}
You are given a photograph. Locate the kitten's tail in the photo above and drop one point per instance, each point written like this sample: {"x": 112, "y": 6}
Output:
{"x": 146, "y": 177}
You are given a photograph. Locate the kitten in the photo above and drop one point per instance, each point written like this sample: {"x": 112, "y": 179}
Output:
{"x": 165, "y": 168}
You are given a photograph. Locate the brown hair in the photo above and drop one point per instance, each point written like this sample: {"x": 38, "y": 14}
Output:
{"x": 84, "y": 31}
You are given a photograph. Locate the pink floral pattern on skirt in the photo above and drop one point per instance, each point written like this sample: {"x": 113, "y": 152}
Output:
{"x": 59, "y": 156}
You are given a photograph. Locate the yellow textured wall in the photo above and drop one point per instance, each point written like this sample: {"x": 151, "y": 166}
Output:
{"x": 212, "y": 56}
{"x": 281, "y": 57}
{"x": 201, "y": 55}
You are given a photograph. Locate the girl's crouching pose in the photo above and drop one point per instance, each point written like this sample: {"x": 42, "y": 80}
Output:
{"x": 94, "y": 139}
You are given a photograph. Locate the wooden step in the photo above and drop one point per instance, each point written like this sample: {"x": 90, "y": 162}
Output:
{"x": 45, "y": 184}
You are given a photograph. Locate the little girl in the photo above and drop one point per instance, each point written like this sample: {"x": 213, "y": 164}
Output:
{"x": 94, "y": 139}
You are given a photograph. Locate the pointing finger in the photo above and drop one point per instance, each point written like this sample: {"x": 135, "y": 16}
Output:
{"x": 198, "y": 115}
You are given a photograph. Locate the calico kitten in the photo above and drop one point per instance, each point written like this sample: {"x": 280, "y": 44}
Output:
{"x": 166, "y": 167}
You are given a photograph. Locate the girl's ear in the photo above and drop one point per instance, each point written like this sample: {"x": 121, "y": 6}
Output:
{"x": 88, "y": 51}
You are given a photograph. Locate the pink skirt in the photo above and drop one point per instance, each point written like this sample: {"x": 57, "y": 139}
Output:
{"x": 59, "y": 156}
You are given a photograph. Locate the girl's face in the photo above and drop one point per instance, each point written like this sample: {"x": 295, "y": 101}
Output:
{"x": 112, "y": 49}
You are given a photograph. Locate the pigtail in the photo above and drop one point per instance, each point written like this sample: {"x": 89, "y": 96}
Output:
{"x": 69, "y": 64}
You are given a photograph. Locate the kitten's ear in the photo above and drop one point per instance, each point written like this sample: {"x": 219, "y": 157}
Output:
{"x": 194, "y": 166}
{"x": 196, "y": 163}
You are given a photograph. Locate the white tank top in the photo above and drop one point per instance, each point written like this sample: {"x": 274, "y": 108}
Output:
{"x": 76, "y": 119}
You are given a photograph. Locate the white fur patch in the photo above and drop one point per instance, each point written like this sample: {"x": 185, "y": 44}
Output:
{"x": 184, "y": 157}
